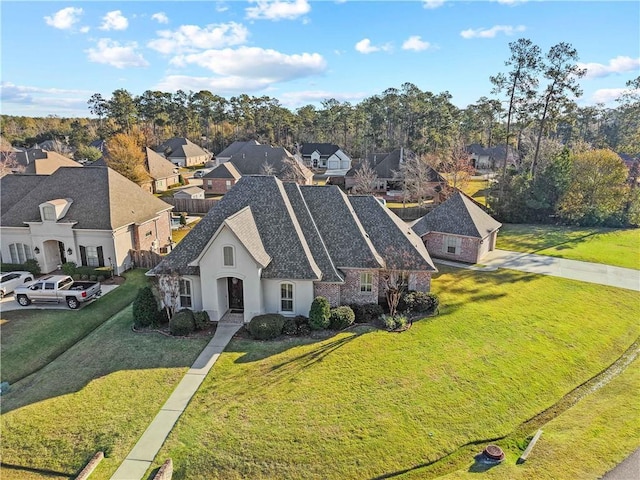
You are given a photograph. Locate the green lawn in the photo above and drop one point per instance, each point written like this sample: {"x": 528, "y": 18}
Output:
{"x": 32, "y": 338}
{"x": 101, "y": 394}
{"x": 618, "y": 247}
{"x": 477, "y": 189}
{"x": 179, "y": 234}
{"x": 367, "y": 403}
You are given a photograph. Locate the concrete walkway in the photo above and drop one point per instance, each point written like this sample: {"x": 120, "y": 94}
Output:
{"x": 627, "y": 278}
{"x": 144, "y": 452}
{"x": 629, "y": 469}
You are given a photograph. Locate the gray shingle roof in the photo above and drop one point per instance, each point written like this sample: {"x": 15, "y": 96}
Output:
{"x": 459, "y": 215}
{"x": 193, "y": 190}
{"x": 224, "y": 170}
{"x": 308, "y": 232}
{"x": 398, "y": 245}
{"x": 180, "y": 147}
{"x": 235, "y": 147}
{"x": 324, "y": 149}
{"x": 251, "y": 159}
{"x": 102, "y": 198}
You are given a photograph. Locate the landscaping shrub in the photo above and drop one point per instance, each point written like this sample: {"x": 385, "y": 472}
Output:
{"x": 421, "y": 302}
{"x": 396, "y": 322}
{"x": 201, "y": 320}
{"x": 30, "y": 266}
{"x": 301, "y": 320}
{"x": 367, "y": 313}
{"x": 319, "y": 313}
{"x": 290, "y": 327}
{"x": 182, "y": 323}
{"x": 341, "y": 318}
{"x": 145, "y": 308}
{"x": 69, "y": 268}
{"x": 266, "y": 327}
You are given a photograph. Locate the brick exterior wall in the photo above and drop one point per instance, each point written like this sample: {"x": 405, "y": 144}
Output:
{"x": 350, "y": 290}
{"x": 218, "y": 186}
{"x": 469, "y": 247}
{"x": 418, "y": 281}
{"x": 330, "y": 291}
{"x": 147, "y": 232}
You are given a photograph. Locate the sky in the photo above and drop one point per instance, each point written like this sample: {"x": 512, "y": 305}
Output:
{"x": 55, "y": 55}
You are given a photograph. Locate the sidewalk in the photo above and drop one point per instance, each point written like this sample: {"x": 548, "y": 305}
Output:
{"x": 627, "y": 278}
{"x": 144, "y": 452}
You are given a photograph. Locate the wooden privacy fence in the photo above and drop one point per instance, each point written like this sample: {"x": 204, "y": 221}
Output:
{"x": 191, "y": 205}
{"x": 144, "y": 258}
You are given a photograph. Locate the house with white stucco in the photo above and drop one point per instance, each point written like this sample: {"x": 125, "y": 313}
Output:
{"x": 325, "y": 156}
{"x": 270, "y": 247}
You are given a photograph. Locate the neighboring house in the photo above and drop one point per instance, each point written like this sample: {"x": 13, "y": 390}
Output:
{"x": 163, "y": 173}
{"x": 325, "y": 156}
{"x": 190, "y": 193}
{"x": 458, "y": 229}
{"x": 91, "y": 216}
{"x": 252, "y": 158}
{"x": 183, "y": 152}
{"x": 221, "y": 179}
{"x": 235, "y": 147}
{"x": 387, "y": 168}
{"x": 41, "y": 162}
{"x": 56, "y": 146}
{"x": 272, "y": 247}
{"x": 491, "y": 158}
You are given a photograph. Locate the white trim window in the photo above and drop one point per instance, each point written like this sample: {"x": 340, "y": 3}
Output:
{"x": 228, "y": 257}
{"x": 286, "y": 297}
{"x": 185, "y": 293}
{"x": 451, "y": 245}
{"x": 93, "y": 260}
{"x": 228, "y": 184}
{"x": 366, "y": 282}
{"x": 48, "y": 213}
{"x": 20, "y": 252}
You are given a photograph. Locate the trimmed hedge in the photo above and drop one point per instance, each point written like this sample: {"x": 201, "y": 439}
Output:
{"x": 319, "y": 313}
{"x": 30, "y": 266}
{"x": 201, "y": 320}
{"x": 145, "y": 309}
{"x": 182, "y": 323}
{"x": 290, "y": 327}
{"x": 266, "y": 327}
{"x": 367, "y": 313}
{"x": 421, "y": 302}
{"x": 341, "y": 317}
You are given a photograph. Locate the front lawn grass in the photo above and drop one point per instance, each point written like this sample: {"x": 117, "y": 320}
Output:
{"x": 33, "y": 338}
{"x": 618, "y": 247}
{"x": 101, "y": 394}
{"x": 477, "y": 189}
{"x": 367, "y": 403}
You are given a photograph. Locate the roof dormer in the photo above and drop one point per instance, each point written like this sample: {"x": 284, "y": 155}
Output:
{"x": 54, "y": 210}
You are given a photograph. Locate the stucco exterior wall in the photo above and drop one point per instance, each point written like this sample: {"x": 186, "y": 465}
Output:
{"x": 469, "y": 247}
{"x": 350, "y": 290}
{"x": 330, "y": 291}
{"x": 302, "y": 296}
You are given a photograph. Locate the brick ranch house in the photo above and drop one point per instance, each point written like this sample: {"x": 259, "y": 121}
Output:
{"x": 458, "y": 229}
{"x": 271, "y": 247}
{"x": 92, "y": 216}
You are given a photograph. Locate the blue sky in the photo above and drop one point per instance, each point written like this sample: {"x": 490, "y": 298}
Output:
{"x": 55, "y": 55}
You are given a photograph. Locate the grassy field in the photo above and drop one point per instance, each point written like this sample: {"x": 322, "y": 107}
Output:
{"x": 619, "y": 247}
{"x": 101, "y": 394}
{"x": 32, "y": 338}
{"x": 477, "y": 189}
{"x": 366, "y": 403}
{"x": 179, "y": 234}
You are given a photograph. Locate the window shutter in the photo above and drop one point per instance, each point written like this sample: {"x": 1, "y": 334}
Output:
{"x": 100, "y": 257}
{"x": 83, "y": 256}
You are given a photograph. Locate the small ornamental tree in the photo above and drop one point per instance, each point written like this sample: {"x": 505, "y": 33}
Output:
{"x": 319, "y": 313}
{"x": 145, "y": 308}
{"x": 168, "y": 287}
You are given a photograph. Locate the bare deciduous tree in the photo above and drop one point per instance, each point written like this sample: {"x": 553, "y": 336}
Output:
{"x": 396, "y": 277}
{"x": 293, "y": 171}
{"x": 9, "y": 164}
{"x": 419, "y": 179}
{"x": 267, "y": 169}
{"x": 365, "y": 180}
{"x": 167, "y": 286}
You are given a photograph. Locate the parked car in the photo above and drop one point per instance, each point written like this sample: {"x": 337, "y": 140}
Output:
{"x": 58, "y": 288}
{"x": 202, "y": 172}
{"x": 10, "y": 280}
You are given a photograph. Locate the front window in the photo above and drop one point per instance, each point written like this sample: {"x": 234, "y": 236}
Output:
{"x": 92, "y": 257}
{"x": 452, "y": 245}
{"x": 286, "y": 297}
{"x": 185, "y": 293}
{"x": 227, "y": 256}
{"x": 20, "y": 252}
{"x": 366, "y": 282}
{"x": 228, "y": 184}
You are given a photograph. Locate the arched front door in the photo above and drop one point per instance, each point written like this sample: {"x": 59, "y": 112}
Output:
{"x": 54, "y": 255}
{"x": 236, "y": 294}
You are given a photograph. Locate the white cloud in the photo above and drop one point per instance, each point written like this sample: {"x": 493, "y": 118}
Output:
{"x": 189, "y": 38}
{"x": 21, "y": 99}
{"x": 222, "y": 85}
{"x": 300, "y": 99}
{"x": 277, "y": 9}
{"x": 415, "y": 43}
{"x": 221, "y": 7}
{"x": 431, "y": 4}
{"x": 114, "y": 21}
{"x": 112, "y": 53}
{"x": 256, "y": 64}
{"x": 85, "y": 29}
{"x": 160, "y": 17}
{"x": 607, "y": 95}
{"x": 491, "y": 32}
{"x": 64, "y": 19}
{"x": 619, "y": 64}
{"x": 364, "y": 46}
{"x": 510, "y": 2}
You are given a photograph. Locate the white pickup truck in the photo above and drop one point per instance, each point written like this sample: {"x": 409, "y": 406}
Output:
{"x": 57, "y": 288}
